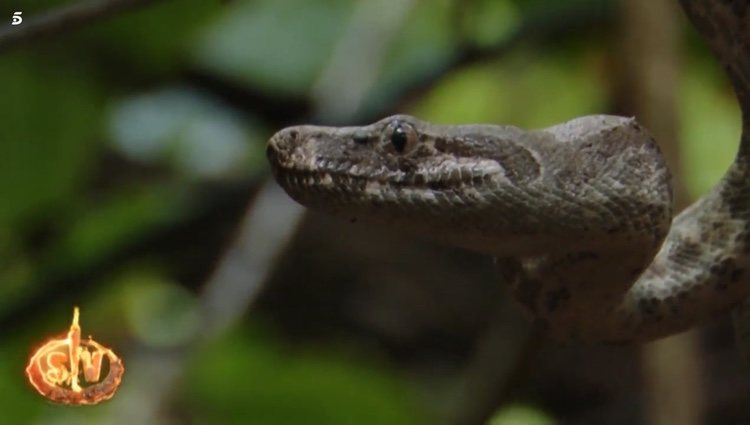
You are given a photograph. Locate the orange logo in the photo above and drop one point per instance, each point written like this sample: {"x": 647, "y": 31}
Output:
{"x": 68, "y": 370}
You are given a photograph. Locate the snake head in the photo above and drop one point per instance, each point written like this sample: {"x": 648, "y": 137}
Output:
{"x": 479, "y": 186}
{"x": 395, "y": 160}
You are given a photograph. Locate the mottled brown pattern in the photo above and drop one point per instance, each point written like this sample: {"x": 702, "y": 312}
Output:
{"x": 580, "y": 213}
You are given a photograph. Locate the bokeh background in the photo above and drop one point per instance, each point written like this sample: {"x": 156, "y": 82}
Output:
{"x": 133, "y": 183}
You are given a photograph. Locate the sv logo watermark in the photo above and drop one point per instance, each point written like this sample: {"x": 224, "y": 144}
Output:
{"x": 17, "y": 19}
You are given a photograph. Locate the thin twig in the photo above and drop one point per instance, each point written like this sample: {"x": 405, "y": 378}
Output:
{"x": 503, "y": 360}
{"x": 64, "y": 19}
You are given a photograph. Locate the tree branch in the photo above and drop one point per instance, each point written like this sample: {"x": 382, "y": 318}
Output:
{"x": 66, "y": 18}
{"x": 723, "y": 25}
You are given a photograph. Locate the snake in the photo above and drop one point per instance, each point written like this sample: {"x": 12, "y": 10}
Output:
{"x": 578, "y": 216}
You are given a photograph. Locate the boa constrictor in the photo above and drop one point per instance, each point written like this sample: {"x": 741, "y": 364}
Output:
{"x": 578, "y": 215}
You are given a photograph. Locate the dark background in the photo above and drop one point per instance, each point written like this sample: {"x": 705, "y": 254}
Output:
{"x": 133, "y": 183}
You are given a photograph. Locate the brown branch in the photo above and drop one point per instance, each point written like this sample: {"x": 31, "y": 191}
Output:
{"x": 64, "y": 19}
{"x": 648, "y": 74}
{"x": 648, "y": 71}
{"x": 503, "y": 360}
{"x": 723, "y": 26}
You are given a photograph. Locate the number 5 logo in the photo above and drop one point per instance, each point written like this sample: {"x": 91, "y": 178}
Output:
{"x": 17, "y": 19}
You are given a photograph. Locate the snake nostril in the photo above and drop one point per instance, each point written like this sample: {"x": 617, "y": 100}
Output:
{"x": 285, "y": 139}
{"x": 275, "y": 148}
{"x": 282, "y": 144}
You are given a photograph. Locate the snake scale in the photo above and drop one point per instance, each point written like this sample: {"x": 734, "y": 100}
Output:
{"x": 578, "y": 215}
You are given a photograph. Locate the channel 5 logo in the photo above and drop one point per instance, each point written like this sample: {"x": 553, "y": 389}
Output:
{"x": 17, "y": 19}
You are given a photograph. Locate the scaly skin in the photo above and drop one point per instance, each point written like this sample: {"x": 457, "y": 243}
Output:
{"x": 576, "y": 214}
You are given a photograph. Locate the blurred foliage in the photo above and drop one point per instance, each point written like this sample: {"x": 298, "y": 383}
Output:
{"x": 117, "y": 89}
{"x": 249, "y": 375}
{"x": 48, "y": 147}
{"x": 710, "y": 129}
{"x": 510, "y": 90}
{"x": 488, "y": 22}
{"x": 517, "y": 414}
{"x": 280, "y": 46}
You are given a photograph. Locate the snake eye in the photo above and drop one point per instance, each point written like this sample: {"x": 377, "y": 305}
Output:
{"x": 398, "y": 139}
{"x": 402, "y": 137}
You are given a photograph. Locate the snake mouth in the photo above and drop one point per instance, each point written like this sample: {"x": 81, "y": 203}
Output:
{"x": 341, "y": 180}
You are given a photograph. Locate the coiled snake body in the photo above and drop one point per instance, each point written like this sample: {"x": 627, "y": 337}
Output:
{"x": 578, "y": 215}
